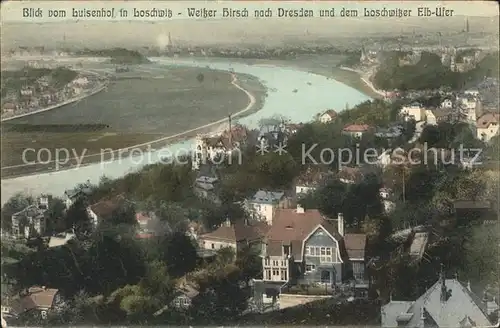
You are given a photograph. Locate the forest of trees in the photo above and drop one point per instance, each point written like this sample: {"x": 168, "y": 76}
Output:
{"x": 429, "y": 73}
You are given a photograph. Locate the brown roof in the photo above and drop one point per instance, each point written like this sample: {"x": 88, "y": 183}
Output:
{"x": 356, "y": 128}
{"x": 331, "y": 113}
{"x": 291, "y": 228}
{"x": 355, "y": 245}
{"x": 238, "y": 231}
{"x": 106, "y": 207}
{"x": 37, "y": 297}
{"x": 487, "y": 119}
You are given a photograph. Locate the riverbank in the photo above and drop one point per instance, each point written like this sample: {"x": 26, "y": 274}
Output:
{"x": 18, "y": 170}
{"x": 366, "y": 77}
{"x": 100, "y": 87}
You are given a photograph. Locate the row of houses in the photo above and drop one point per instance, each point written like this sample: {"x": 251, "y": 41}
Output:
{"x": 465, "y": 109}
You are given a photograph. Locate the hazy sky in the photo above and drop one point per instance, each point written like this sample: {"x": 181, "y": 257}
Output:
{"x": 13, "y": 10}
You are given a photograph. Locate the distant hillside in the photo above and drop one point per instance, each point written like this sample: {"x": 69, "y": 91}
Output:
{"x": 118, "y": 55}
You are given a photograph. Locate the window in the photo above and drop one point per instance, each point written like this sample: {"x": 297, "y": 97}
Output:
{"x": 276, "y": 272}
{"x": 268, "y": 274}
{"x": 283, "y": 263}
{"x": 284, "y": 274}
{"x": 310, "y": 267}
{"x": 275, "y": 263}
{"x": 213, "y": 246}
{"x": 257, "y": 207}
{"x": 267, "y": 261}
{"x": 326, "y": 254}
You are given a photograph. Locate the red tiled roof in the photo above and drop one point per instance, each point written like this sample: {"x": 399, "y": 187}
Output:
{"x": 291, "y": 228}
{"x": 355, "y": 245}
{"x": 487, "y": 119}
{"x": 356, "y": 128}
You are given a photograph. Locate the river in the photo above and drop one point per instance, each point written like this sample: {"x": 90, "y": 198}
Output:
{"x": 295, "y": 94}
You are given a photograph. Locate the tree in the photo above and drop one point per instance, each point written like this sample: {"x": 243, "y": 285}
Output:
{"x": 481, "y": 254}
{"x": 15, "y": 204}
{"x": 77, "y": 218}
{"x": 179, "y": 252}
{"x": 55, "y": 215}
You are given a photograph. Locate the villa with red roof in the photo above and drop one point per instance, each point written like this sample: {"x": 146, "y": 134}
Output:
{"x": 304, "y": 247}
{"x": 356, "y": 130}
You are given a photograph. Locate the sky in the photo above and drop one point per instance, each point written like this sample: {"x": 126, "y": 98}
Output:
{"x": 12, "y": 11}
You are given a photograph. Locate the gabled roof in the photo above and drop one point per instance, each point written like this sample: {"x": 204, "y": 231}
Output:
{"x": 37, "y": 297}
{"x": 487, "y": 119}
{"x": 331, "y": 113}
{"x": 460, "y": 307}
{"x": 267, "y": 197}
{"x": 292, "y": 228}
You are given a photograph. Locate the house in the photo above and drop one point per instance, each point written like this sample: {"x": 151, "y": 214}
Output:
{"x": 105, "y": 208}
{"x": 442, "y": 114}
{"x": 389, "y": 133}
{"x": 446, "y": 304}
{"x": 184, "y": 297}
{"x": 487, "y": 126}
{"x": 303, "y": 247}
{"x": 413, "y": 111}
{"x": 31, "y": 220}
{"x": 207, "y": 182}
{"x": 212, "y": 147}
{"x": 356, "y": 130}
{"x": 328, "y": 116}
{"x": 38, "y": 301}
{"x": 350, "y": 175}
{"x": 272, "y": 135}
{"x": 264, "y": 204}
{"x": 472, "y": 92}
{"x": 447, "y": 103}
{"x": 73, "y": 194}
{"x": 430, "y": 118}
{"x": 310, "y": 180}
{"x": 291, "y": 129}
{"x": 81, "y": 81}
{"x": 242, "y": 232}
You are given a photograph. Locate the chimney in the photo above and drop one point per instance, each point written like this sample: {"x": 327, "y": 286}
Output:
{"x": 300, "y": 209}
{"x": 227, "y": 223}
{"x": 468, "y": 286}
{"x": 340, "y": 224}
